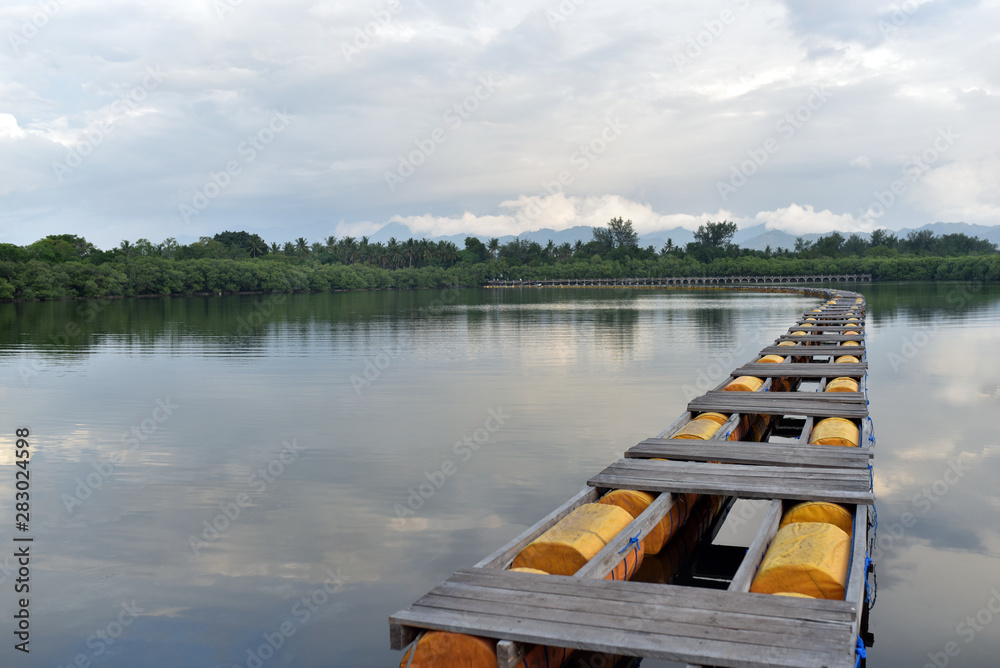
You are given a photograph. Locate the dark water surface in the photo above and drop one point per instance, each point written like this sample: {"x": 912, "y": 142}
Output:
{"x": 309, "y": 429}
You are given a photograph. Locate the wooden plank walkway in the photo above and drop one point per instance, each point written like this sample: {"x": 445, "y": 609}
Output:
{"x": 801, "y": 483}
{"x": 813, "y": 351}
{"x": 652, "y": 620}
{"x": 752, "y": 452}
{"x": 799, "y": 370}
{"x": 814, "y": 404}
{"x": 699, "y": 626}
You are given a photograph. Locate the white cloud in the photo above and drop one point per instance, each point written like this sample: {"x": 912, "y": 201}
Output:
{"x": 687, "y": 121}
{"x": 556, "y": 212}
{"x": 966, "y": 191}
{"x": 797, "y": 219}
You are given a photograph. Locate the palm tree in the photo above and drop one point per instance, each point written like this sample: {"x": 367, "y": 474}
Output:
{"x": 302, "y": 246}
{"x": 409, "y": 248}
{"x": 493, "y": 246}
{"x": 331, "y": 241}
{"x": 392, "y": 250}
{"x": 275, "y": 248}
{"x": 127, "y": 248}
{"x": 289, "y": 248}
{"x": 257, "y": 246}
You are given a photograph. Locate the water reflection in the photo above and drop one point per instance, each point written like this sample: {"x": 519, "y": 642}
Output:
{"x": 385, "y": 395}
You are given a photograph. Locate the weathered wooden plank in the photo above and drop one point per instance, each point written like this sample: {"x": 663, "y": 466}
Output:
{"x": 740, "y": 471}
{"x": 779, "y": 403}
{"x": 803, "y": 370}
{"x": 510, "y": 653}
{"x": 575, "y": 613}
{"x": 859, "y": 544}
{"x": 761, "y": 482}
{"x": 718, "y": 652}
{"x": 822, "y": 338}
{"x": 584, "y": 614}
{"x": 758, "y": 547}
{"x": 813, "y": 351}
{"x": 607, "y": 559}
{"x": 643, "y": 592}
{"x": 788, "y": 397}
{"x": 503, "y": 556}
{"x": 751, "y": 452}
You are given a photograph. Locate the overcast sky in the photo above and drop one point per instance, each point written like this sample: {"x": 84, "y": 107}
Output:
{"x": 121, "y": 119}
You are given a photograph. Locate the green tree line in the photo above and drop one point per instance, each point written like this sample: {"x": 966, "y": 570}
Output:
{"x": 68, "y": 266}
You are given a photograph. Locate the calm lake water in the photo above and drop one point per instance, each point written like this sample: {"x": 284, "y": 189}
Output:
{"x": 303, "y": 428}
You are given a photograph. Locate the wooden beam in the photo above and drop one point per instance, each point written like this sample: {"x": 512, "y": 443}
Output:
{"x": 506, "y": 554}
{"x": 758, "y": 547}
{"x": 607, "y": 559}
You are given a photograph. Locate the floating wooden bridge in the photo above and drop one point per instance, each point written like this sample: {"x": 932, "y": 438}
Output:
{"x": 694, "y": 622}
{"x": 678, "y": 280}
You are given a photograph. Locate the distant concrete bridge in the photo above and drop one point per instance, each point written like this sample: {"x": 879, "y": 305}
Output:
{"x": 679, "y": 280}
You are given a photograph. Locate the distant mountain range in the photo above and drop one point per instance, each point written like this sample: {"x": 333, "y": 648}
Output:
{"x": 757, "y": 237}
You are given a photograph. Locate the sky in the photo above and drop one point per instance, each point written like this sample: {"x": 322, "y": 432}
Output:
{"x": 121, "y": 120}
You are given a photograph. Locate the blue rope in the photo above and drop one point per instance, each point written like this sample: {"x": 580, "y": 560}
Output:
{"x": 634, "y": 540}
{"x": 862, "y": 652}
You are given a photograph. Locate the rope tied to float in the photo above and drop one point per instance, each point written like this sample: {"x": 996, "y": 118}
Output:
{"x": 416, "y": 641}
{"x": 634, "y": 540}
{"x": 862, "y": 652}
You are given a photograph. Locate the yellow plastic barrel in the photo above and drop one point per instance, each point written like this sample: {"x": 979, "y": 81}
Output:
{"x": 791, "y": 593}
{"x": 807, "y": 558}
{"x": 719, "y": 418}
{"x": 819, "y": 511}
{"x": 635, "y": 502}
{"x": 810, "y": 319}
{"x": 842, "y": 384}
{"x": 847, "y": 359}
{"x": 527, "y": 570}
{"x": 850, "y": 343}
{"x": 575, "y": 539}
{"x": 701, "y": 428}
{"x": 744, "y": 384}
{"x": 835, "y": 431}
{"x": 788, "y": 343}
{"x": 771, "y": 359}
{"x": 442, "y": 649}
